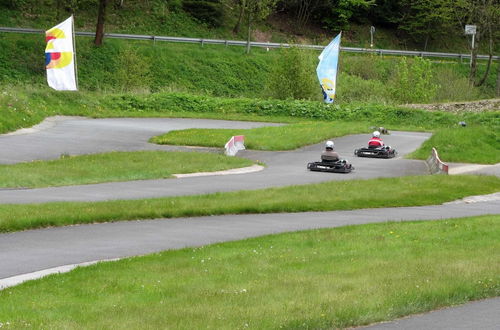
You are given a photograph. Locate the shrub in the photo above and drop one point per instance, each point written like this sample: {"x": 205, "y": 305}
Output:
{"x": 293, "y": 76}
{"x": 413, "y": 81}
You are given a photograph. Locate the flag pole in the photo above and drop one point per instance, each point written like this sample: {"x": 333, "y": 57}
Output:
{"x": 74, "y": 51}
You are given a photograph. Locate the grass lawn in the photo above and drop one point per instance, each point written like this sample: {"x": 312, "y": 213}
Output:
{"x": 327, "y": 278}
{"x": 328, "y": 196}
{"x": 113, "y": 166}
{"x": 265, "y": 138}
{"x": 463, "y": 145}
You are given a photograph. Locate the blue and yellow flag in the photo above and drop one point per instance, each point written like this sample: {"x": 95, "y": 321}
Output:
{"x": 327, "y": 69}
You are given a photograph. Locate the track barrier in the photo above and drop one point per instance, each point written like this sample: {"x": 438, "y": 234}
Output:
{"x": 235, "y": 144}
{"x": 436, "y": 166}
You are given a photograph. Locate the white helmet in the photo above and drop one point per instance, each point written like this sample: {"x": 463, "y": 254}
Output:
{"x": 329, "y": 145}
{"x": 376, "y": 134}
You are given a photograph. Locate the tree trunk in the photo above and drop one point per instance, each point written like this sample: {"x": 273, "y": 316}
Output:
{"x": 249, "y": 31}
{"x": 498, "y": 80}
{"x": 490, "y": 59}
{"x": 101, "y": 16}
{"x": 473, "y": 63}
{"x": 236, "y": 28}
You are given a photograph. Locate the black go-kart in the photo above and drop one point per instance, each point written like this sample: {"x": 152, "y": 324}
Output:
{"x": 376, "y": 152}
{"x": 339, "y": 166}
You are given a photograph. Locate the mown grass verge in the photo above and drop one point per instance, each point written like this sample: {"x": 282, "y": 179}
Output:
{"x": 466, "y": 145}
{"x": 113, "y": 166}
{"x": 326, "y": 278}
{"x": 265, "y": 138}
{"x": 338, "y": 195}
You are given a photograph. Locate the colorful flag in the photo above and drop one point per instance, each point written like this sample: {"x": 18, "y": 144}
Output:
{"x": 327, "y": 69}
{"x": 60, "y": 57}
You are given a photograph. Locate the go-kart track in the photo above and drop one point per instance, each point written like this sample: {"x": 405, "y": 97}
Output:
{"x": 29, "y": 252}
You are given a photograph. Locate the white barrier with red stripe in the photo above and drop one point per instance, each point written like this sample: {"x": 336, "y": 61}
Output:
{"x": 235, "y": 144}
{"x": 436, "y": 166}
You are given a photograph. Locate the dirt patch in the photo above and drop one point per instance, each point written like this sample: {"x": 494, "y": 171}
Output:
{"x": 457, "y": 107}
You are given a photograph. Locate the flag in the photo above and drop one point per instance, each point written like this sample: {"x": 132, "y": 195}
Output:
{"x": 60, "y": 57}
{"x": 327, "y": 69}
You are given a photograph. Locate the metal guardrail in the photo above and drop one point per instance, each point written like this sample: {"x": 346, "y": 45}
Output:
{"x": 203, "y": 41}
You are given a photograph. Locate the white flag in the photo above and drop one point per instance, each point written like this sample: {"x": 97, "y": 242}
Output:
{"x": 59, "y": 57}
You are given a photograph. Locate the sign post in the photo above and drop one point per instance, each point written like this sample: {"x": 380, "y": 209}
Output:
{"x": 372, "y": 31}
{"x": 471, "y": 30}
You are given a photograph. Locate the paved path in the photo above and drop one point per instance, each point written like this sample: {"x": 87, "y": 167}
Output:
{"x": 477, "y": 315}
{"x": 35, "y": 250}
{"x": 78, "y": 136}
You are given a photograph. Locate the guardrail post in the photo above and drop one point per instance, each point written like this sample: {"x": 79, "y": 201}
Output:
{"x": 202, "y": 42}
{"x": 225, "y": 43}
{"x": 154, "y": 40}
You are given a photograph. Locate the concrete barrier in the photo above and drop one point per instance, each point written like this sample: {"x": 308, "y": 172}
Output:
{"x": 436, "y": 166}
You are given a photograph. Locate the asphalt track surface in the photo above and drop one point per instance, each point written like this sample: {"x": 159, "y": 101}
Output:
{"x": 35, "y": 250}
{"x": 81, "y": 136}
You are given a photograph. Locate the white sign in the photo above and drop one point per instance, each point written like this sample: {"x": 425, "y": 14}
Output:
{"x": 470, "y": 29}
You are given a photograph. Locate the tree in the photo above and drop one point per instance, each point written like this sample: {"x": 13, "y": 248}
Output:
{"x": 485, "y": 14}
{"x": 101, "y": 16}
{"x": 336, "y": 14}
{"x": 256, "y": 10}
{"x": 422, "y": 19}
{"x": 303, "y": 10}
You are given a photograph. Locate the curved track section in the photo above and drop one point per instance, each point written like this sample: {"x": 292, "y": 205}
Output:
{"x": 32, "y": 250}
{"x": 80, "y": 136}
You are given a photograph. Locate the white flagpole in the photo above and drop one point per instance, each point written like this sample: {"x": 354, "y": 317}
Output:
{"x": 74, "y": 51}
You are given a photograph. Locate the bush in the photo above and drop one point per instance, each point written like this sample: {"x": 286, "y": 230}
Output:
{"x": 413, "y": 81}
{"x": 355, "y": 89}
{"x": 453, "y": 87}
{"x": 293, "y": 76}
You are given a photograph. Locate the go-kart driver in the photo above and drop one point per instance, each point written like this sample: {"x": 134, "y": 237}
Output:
{"x": 329, "y": 155}
{"x": 375, "y": 141}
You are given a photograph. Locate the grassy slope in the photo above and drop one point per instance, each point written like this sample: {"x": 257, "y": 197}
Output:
{"x": 327, "y": 278}
{"x": 337, "y": 195}
{"x": 114, "y": 166}
{"x": 465, "y": 145}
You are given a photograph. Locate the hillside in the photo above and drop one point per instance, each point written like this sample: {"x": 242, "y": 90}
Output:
{"x": 144, "y": 67}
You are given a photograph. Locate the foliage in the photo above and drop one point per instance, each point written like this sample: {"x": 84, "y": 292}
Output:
{"x": 292, "y": 76}
{"x": 423, "y": 19}
{"x": 208, "y": 11}
{"x": 414, "y": 81}
{"x": 336, "y": 14}
{"x": 133, "y": 71}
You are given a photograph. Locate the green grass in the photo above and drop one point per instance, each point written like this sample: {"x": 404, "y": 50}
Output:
{"x": 265, "y": 138}
{"x": 337, "y": 195}
{"x": 113, "y": 166}
{"x": 465, "y": 145}
{"x": 326, "y": 278}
